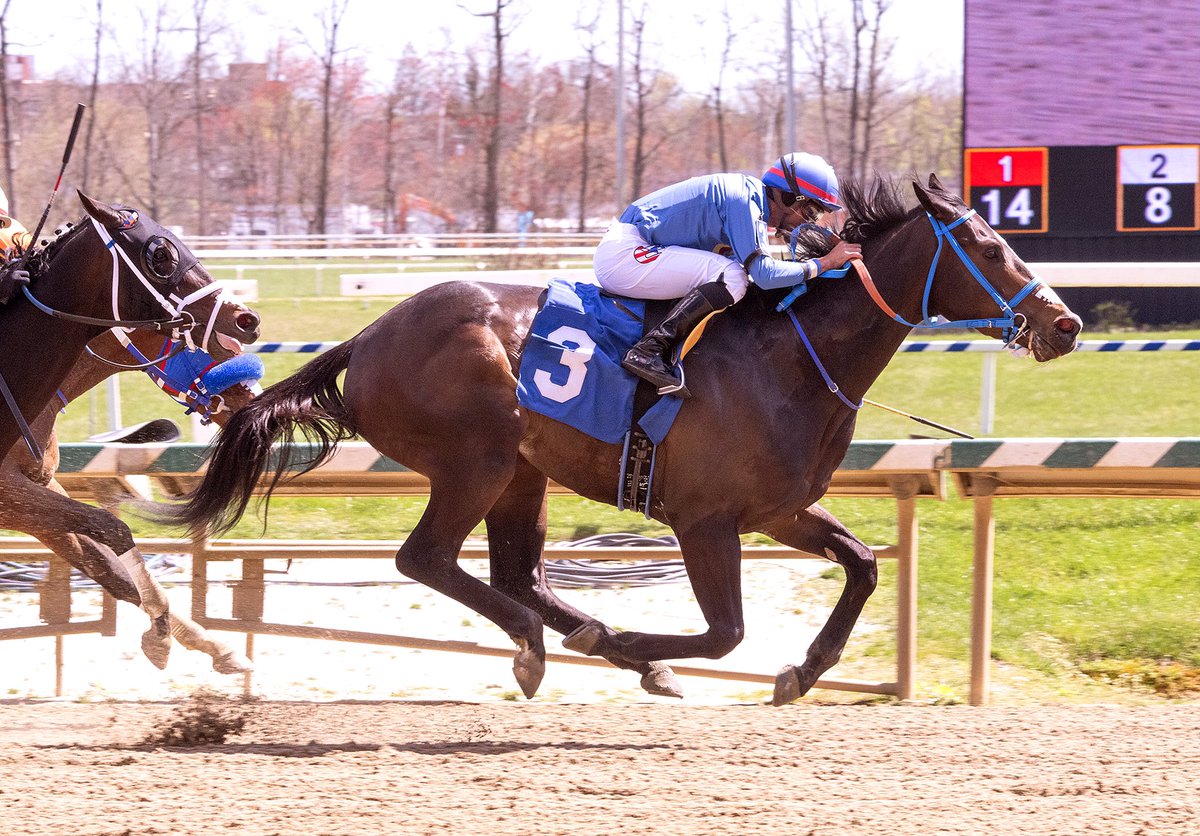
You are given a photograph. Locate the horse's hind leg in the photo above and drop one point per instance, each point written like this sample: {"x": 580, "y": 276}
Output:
{"x": 816, "y": 531}
{"x": 516, "y": 527}
{"x": 458, "y": 500}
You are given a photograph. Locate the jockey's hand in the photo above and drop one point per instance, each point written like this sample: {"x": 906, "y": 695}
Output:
{"x": 11, "y": 280}
{"x": 842, "y": 253}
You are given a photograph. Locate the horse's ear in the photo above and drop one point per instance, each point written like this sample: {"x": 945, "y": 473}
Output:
{"x": 936, "y": 200}
{"x": 102, "y": 212}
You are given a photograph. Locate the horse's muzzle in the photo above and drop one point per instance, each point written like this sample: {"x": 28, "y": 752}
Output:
{"x": 1060, "y": 340}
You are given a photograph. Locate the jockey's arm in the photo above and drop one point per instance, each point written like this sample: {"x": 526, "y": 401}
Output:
{"x": 747, "y": 231}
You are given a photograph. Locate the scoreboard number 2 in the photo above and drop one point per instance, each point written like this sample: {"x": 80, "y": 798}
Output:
{"x": 1007, "y": 186}
{"x": 1157, "y": 187}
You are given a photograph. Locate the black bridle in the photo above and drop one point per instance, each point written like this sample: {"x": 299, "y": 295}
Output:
{"x": 179, "y": 321}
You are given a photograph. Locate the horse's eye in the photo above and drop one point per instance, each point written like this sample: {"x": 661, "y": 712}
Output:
{"x": 162, "y": 259}
{"x": 992, "y": 253}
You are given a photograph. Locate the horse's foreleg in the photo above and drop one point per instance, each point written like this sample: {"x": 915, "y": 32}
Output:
{"x": 816, "y": 531}
{"x": 156, "y": 642}
{"x": 90, "y": 539}
{"x": 516, "y": 528}
{"x": 712, "y": 555}
{"x": 101, "y": 546}
{"x": 194, "y": 637}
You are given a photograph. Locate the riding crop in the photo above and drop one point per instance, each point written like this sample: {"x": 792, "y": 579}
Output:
{"x": 26, "y": 432}
{"x": 79, "y": 108}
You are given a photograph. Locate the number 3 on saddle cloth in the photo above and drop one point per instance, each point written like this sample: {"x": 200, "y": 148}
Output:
{"x": 571, "y": 372}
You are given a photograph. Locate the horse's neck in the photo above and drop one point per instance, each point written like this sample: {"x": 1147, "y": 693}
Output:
{"x": 38, "y": 351}
{"x": 853, "y": 339}
{"x": 78, "y": 278}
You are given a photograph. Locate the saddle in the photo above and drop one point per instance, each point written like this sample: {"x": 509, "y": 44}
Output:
{"x": 571, "y": 371}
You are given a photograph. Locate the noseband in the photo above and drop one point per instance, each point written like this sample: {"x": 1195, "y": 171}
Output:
{"x": 192, "y": 393}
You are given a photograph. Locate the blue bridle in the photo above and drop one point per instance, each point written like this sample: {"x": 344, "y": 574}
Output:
{"x": 1006, "y": 323}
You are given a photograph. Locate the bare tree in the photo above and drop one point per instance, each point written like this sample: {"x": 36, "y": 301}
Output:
{"x": 816, "y": 38}
{"x": 5, "y": 114}
{"x": 879, "y": 51}
{"x": 492, "y": 145}
{"x": 201, "y": 106}
{"x": 93, "y": 91}
{"x": 590, "y": 47}
{"x": 718, "y": 101}
{"x": 331, "y": 21}
{"x": 652, "y": 90}
{"x": 156, "y": 84}
{"x": 641, "y": 91}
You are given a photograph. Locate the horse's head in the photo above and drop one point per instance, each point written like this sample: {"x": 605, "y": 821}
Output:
{"x": 163, "y": 282}
{"x": 978, "y": 280}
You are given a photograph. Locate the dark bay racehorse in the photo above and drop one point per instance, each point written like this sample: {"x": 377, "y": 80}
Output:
{"x": 116, "y": 267}
{"x": 89, "y": 537}
{"x": 431, "y": 385}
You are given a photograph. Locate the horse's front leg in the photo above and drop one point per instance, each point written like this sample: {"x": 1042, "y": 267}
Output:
{"x": 712, "y": 554}
{"x": 101, "y": 546}
{"x": 816, "y": 531}
{"x": 126, "y": 574}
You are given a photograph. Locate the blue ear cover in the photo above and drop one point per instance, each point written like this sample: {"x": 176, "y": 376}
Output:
{"x": 244, "y": 368}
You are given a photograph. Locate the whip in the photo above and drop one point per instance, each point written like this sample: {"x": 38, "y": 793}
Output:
{"x": 919, "y": 419}
{"x": 79, "y": 108}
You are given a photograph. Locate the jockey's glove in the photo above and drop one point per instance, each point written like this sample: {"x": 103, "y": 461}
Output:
{"x": 12, "y": 278}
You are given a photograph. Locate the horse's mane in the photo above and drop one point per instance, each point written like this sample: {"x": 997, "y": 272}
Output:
{"x": 40, "y": 260}
{"x": 872, "y": 207}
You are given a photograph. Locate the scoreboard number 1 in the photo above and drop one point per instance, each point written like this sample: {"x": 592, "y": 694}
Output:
{"x": 1157, "y": 187}
{"x": 1007, "y": 186}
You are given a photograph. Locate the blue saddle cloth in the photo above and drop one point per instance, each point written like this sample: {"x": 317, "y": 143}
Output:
{"x": 571, "y": 368}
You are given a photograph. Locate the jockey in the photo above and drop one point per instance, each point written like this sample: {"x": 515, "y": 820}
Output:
{"x": 14, "y": 238}
{"x": 669, "y": 244}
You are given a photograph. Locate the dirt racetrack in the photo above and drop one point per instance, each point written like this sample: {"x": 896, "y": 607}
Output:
{"x": 521, "y": 768}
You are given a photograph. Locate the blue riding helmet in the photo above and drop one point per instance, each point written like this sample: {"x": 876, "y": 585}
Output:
{"x": 805, "y": 174}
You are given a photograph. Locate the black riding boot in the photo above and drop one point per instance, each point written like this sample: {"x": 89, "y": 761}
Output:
{"x": 650, "y": 358}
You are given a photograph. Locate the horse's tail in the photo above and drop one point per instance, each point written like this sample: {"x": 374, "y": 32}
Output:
{"x": 308, "y": 403}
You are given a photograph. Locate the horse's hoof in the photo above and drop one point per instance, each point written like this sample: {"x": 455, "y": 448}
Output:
{"x": 157, "y": 647}
{"x": 529, "y": 667}
{"x": 787, "y": 686}
{"x": 584, "y": 638}
{"x": 661, "y": 681}
{"x": 232, "y": 662}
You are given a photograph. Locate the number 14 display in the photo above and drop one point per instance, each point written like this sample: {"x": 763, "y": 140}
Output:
{"x": 1008, "y": 187}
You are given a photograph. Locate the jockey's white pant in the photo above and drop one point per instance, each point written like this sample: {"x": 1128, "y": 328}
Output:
{"x": 626, "y": 265}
